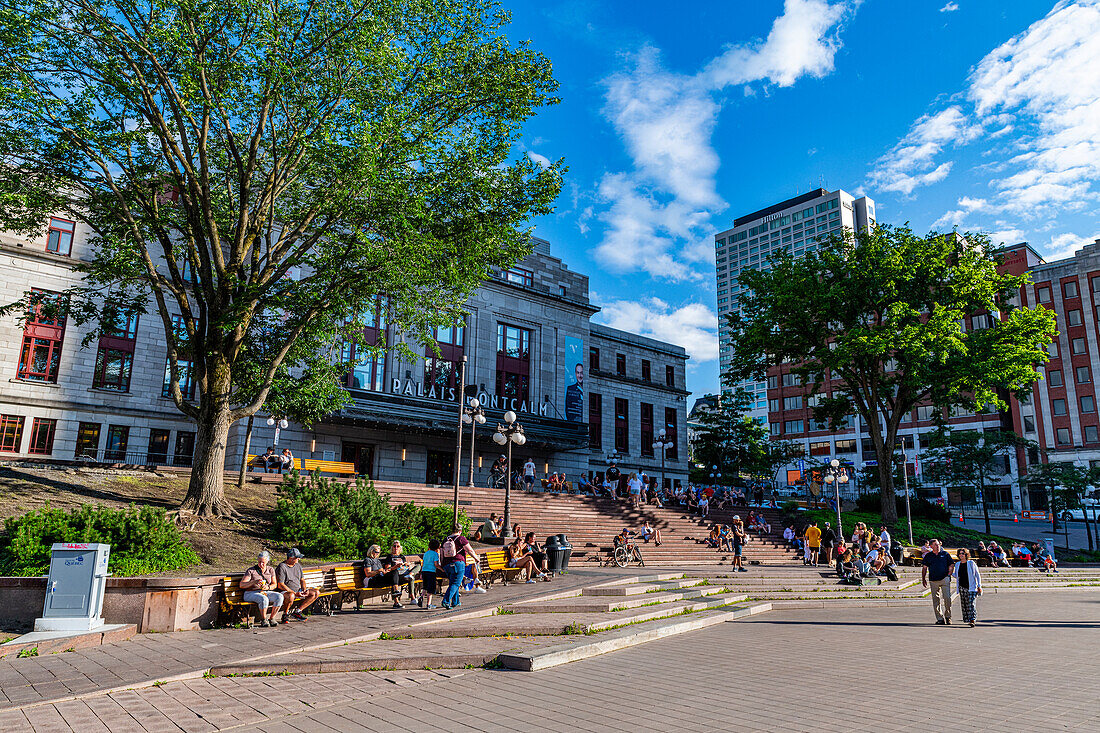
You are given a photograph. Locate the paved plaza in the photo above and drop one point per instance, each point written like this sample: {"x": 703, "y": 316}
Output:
{"x": 836, "y": 669}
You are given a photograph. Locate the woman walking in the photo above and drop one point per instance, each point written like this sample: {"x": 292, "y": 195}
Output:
{"x": 969, "y": 583}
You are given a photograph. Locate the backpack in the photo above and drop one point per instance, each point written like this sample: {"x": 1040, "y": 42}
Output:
{"x": 448, "y": 551}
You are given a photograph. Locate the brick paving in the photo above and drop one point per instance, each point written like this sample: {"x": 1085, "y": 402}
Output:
{"x": 150, "y": 657}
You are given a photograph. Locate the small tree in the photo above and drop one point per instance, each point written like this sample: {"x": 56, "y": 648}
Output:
{"x": 1069, "y": 483}
{"x": 735, "y": 443}
{"x": 272, "y": 160}
{"x": 872, "y": 324}
{"x": 972, "y": 459}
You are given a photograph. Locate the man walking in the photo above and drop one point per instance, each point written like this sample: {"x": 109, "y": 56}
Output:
{"x": 936, "y": 569}
{"x": 813, "y": 542}
{"x": 828, "y": 542}
{"x": 529, "y": 474}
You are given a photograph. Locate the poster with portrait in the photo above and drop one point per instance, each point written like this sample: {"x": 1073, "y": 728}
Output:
{"x": 573, "y": 365}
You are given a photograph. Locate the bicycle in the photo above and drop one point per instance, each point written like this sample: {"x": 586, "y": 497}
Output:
{"x": 627, "y": 553}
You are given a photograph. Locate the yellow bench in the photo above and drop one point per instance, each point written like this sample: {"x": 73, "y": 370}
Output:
{"x": 325, "y": 582}
{"x": 351, "y": 585}
{"x": 309, "y": 465}
{"x": 232, "y": 603}
{"x": 494, "y": 565}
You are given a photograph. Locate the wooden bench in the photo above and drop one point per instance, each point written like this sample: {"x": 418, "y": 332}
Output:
{"x": 325, "y": 582}
{"x": 309, "y": 465}
{"x": 913, "y": 556}
{"x": 493, "y": 565}
{"x": 232, "y": 604}
{"x": 349, "y": 582}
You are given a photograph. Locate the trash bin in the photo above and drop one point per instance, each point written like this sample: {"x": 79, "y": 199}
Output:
{"x": 567, "y": 551}
{"x": 896, "y": 550}
{"x": 554, "y": 552}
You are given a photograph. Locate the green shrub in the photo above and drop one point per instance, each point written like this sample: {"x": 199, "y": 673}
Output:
{"x": 919, "y": 507}
{"x": 331, "y": 519}
{"x": 142, "y": 538}
{"x": 789, "y": 507}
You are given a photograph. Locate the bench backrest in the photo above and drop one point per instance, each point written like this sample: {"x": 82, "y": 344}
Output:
{"x": 347, "y": 577}
{"x": 313, "y": 464}
{"x": 495, "y": 560}
{"x": 231, "y": 589}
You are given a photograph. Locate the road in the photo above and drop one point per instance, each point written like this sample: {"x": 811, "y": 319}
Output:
{"x": 1031, "y": 530}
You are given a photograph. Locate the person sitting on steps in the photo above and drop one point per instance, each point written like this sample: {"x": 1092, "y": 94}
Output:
{"x": 647, "y": 532}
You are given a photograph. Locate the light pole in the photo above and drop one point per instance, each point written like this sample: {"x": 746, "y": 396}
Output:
{"x": 903, "y": 459}
{"x": 458, "y": 446}
{"x": 715, "y": 475}
{"x": 835, "y": 475}
{"x": 473, "y": 416}
{"x": 283, "y": 425}
{"x": 508, "y": 433}
{"x": 662, "y": 445}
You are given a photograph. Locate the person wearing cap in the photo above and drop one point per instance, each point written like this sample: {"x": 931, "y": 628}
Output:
{"x": 497, "y": 471}
{"x": 258, "y": 585}
{"x": 289, "y": 578}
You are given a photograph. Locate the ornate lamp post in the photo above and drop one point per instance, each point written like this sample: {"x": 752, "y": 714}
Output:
{"x": 902, "y": 460}
{"x": 662, "y": 445}
{"x": 835, "y": 475}
{"x": 458, "y": 445}
{"x": 508, "y": 433}
{"x": 473, "y": 416}
{"x": 283, "y": 425}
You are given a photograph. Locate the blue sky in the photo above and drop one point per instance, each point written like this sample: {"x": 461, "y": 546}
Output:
{"x": 676, "y": 119}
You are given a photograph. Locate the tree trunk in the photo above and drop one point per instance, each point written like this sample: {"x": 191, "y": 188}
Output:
{"x": 1088, "y": 528}
{"x": 206, "y": 491}
{"x": 244, "y": 453}
{"x": 887, "y": 493}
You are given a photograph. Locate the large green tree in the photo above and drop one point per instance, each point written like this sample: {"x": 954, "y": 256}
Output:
{"x": 872, "y": 324}
{"x": 246, "y": 159}
{"x": 971, "y": 460}
{"x": 733, "y": 442}
{"x": 1069, "y": 484}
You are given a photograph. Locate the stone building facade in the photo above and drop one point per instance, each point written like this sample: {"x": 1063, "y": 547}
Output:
{"x": 525, "y": 344}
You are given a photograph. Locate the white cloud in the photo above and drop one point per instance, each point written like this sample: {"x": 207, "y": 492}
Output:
{"x": 949, "y": 8}
{"x": 912, "y": 162}
{"x": 656, "y": 214}
{"x": 1007, "y": 236}
{"x": 541, "y": 160}
{"x": 967, "y": 206}
{"x": 1064, "y": 245}
{"x": 693, "y": 325}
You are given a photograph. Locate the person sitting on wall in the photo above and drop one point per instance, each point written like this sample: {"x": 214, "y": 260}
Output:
{"x": 490, "y": 529}
{"x": 584, "y": 486}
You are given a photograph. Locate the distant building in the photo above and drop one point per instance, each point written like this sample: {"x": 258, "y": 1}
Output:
{"x": 698, "y": 409}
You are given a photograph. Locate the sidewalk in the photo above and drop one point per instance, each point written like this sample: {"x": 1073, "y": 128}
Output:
{"x": 148, "y": 658}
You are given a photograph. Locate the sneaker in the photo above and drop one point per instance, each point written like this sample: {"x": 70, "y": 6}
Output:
{"x": 420, "y": 602}
{"x": 947, "y": 621}
{"x": 270, "y": 623}
{"x": 397, "y": 604}
{"x": 431, "y": 605}
{"x": 479, "y": 589}
{"x": 529, "y": 581}
{"x": 971, "y": 624}
{"x": 298, "y": 616}
{"x": 742, "y": 570}
{"x": 940, "y": 622}
{"x": 445, "y": 607}
{"x": 285, "y": 619}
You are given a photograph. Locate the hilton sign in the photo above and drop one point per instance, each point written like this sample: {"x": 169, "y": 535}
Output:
{"x": 410, "y": 388}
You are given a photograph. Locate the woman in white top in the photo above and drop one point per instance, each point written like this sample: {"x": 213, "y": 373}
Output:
{"x": 634, "y": 485}
{"x": 969, "y": 583}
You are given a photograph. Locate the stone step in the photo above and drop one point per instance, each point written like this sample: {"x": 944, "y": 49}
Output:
{"x": 605, "y": 604}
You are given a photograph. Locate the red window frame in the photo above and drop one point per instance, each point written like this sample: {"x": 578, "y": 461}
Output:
{"x": 647, "y": 370}
{"x": 645, "y": 419}
{"x": 87, "y": 439}
{"x": 670, "y": 434}
{"x": 11, "y": 433}
{"x": 514, "y": 362}
{"x": 59, "y": 237}
{"x": 622, "y": 425}
{"x": 595, "y": 421}
{"x": 116, "y": 347}
{"x": 42, "y": 335}
{"x": 593, "y": 358}
{"x": 369, "y": 367}
{"x": 42, "y": 432}
{"x": 443, "y": 371}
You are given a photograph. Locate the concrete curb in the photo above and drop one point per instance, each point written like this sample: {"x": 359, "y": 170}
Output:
{"x": 621, "y": 639}
{"x": 365, "y": 664}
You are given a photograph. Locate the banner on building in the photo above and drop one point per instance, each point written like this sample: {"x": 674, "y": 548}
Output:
{"x": 573, "y": 364}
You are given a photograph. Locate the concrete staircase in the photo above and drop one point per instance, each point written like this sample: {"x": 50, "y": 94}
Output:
{"x": 590, "y": 523}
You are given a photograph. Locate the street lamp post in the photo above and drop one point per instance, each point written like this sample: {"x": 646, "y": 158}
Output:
{"x": 835, "y": 475}
{"x": 458, "y": 446}
{"x": 662, "y": 445}
{"x": 905, "y": 483}
{"x": 508, "y": 433}
{"x": 283, "y": 425}
{"x": 473, "y": 416}
{"x": 715, "y": 475}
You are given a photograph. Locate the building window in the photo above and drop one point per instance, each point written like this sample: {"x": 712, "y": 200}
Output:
{"x": 845, "y": 446}
{"x": 821, "y": 448}
{"x": 185, "y": 448}
{"x": 1091, "y": 435}
{"x": 519, "y": 276}
{"x": 42, "y": 431}
{"x": 1088, "y": 404}
{"x": 1029, "y": 424}
{"x": 1077, "y": 346}
{"x": 1055, "y": 378}
{"x": 43, "y": 335}
{"x": 773, "y": 382}
{"x": 186, "y": 374}
{"x": 1069, "y": 289}
{"x": 593, "y": 358}
{"x": 670, "y": 376}
{"x": 647, "y": 370}
{"x": 775, "y": 428}
{"x": 112, "y": 369}
{"x": 1082, "y": 374}
{"x": 364, "y": 354}
{"x": 118, "y": 438}
{"x": 791, "y": 427}
{"x": 1073, "y": 317}
{"x": 11, "y": 433}
{"x": 622, "y": 425}
{"x": 670, "y": 434}
{"x": 1043, "y": 294}
{"x": 1058, "y": 406}
{"x": 442, "y": 372}
{"x": 1062, "y": 436}
{"x": 620, "y": 365}
{"x": 791, "y": 379}
{"x": 158, "y": 446}
{"x": 646, "y": 419}
{"x": 87, "y": 440}
{"x": 595, "y": 421}
{"x": 792, "y": 403}
{"x": 1052, "y": 349}
{"x": 513, "y": 361}
{"x": 59, "y": 240}
{"x": 773, "y": 405}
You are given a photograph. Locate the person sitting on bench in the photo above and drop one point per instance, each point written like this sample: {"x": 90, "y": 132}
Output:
{"x": 270, "y": 460}
{"x": 259, "y": 586}
{"x": 516, "y": 557}
{"x": 289, "y": 578}
{"x": 378, "y": 574}
{"x": 534, "y": 550}
{"x": 286, "y": 461}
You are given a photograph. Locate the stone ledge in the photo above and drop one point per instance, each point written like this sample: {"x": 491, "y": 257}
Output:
{"x": 52, "y": 643}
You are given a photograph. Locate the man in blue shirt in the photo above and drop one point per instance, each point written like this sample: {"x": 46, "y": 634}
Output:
{"x": 936, "y": 571}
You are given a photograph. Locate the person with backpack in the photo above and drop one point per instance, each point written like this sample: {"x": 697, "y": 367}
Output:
{"x": 828, "y": 541}
{"x": 453, "y": 556}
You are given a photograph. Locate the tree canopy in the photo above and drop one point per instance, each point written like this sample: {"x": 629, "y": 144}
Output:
{"x": 247, "y": 162}
{"x": 733, "y": 442}
{"x": 873, "y": 324}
